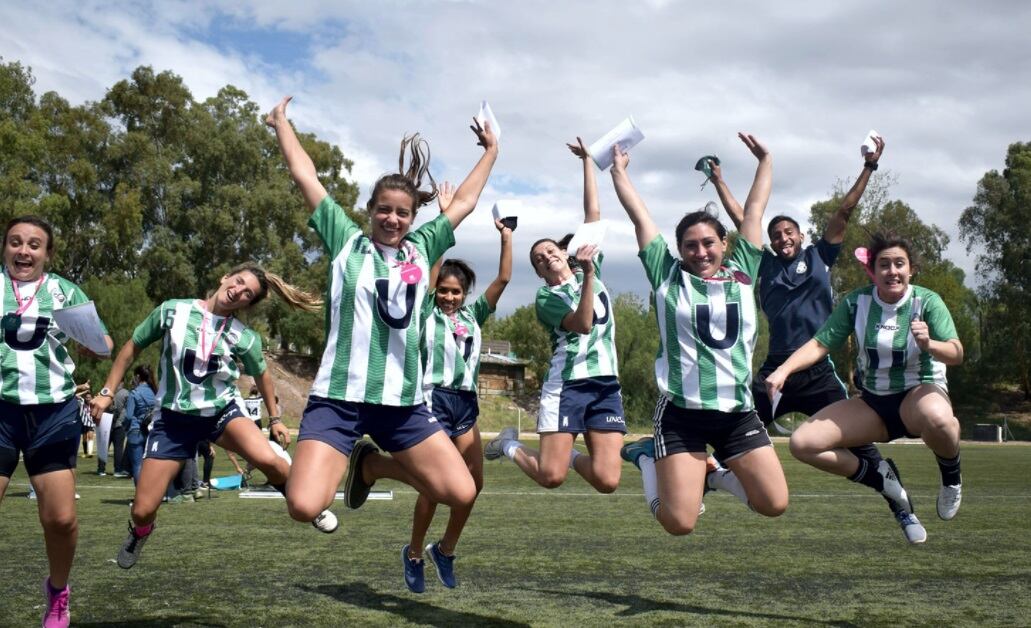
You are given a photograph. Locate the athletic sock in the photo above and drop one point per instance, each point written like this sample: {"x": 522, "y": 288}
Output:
{"x": 573, "y": 455}
{"x": 510, "y": 446}
{"x": 949, "y": 468}
{"x": 650, "y": 481}
{"x": 142, "y": 531}
{"x": 868, "y": 475}
{"x": 725, "y": 480}
{"x": 54, "y": 590}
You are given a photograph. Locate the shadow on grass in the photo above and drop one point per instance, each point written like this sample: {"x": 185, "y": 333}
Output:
{"x": 636, "y": 605}
{"x": 164, "y": 622}
{"x": 361, "y": 595}
{"x": 117, "y": 502}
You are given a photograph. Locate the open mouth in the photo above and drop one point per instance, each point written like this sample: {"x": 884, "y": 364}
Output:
{"x": 23, "y": 264}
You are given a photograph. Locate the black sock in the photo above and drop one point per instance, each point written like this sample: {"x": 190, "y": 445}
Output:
{"x": 950, "y": 470}
{"x": 281, "y": 488}
{"x": 867, "y": 475}
{"x": 868, "y": 451}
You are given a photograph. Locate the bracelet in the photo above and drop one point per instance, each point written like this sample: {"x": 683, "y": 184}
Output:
{"x": 872, "y": 165}
{"x": 274, "y": 420}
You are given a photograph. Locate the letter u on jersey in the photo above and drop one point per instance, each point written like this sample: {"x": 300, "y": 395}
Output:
{"x": 703, "y": 314}
{"x": 383, "y": 304}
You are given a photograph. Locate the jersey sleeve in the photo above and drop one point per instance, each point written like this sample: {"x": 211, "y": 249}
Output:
{"x": 482, "y": 310}
{"x": 551, "y": 308}
{"x": 433, "y": 239}
{"x": 152, "y": 327}
{"x": 248, "y": 350}
{"x": 332, "y": 224}
{"x": 746, "y": 257}
{"x": 657, "y": 261}
{"x": 828, "y": 252}
{"x": 940, "y": 325}
{"x": 836, "y": 330}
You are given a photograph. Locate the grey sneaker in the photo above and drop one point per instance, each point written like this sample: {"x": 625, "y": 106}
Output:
{"x": 326, "y": 522}
{"x": 949, "y": 498}
{"x": 912, "y": 529}
{"x": 492, "y": 450}
{"x": 131, "y": 548}
{"x": 893, "y": 489}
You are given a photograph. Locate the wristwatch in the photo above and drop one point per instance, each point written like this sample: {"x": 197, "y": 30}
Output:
{"x": 872, "y": 165}
{"x": 104, "y": 392}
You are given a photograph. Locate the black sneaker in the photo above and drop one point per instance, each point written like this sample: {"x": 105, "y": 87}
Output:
{"x": 131, "y": 548}
{"x": 356, "y": 489}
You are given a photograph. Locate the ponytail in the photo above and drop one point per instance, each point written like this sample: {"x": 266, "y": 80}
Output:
{"x": 409, "y": 179}
{"x": 290, "y": 294}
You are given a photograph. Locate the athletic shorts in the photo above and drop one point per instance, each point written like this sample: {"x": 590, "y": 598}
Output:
{"x": 340, "y": 423}
{"x": 176, "y": 435}
{"x": 46, "y": 433}
{"x": 456, "y": 410}
{"x": 731, "y": 434}
{"x": 889, "y": 407}
{"x": 573, "y": 407}
{"x": 807, "y": 391}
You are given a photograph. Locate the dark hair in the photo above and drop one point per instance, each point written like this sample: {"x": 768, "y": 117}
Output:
{"x": 144, "y": 374}
{"x": 883, "y": 240}
{"x": 408, "y": 180}
{"x": 781, "y": 218}
{"x": 461, "y": 271}
{"x": 36, "y": 221}
{"x": 539, "y": 242}
{"x": 701, "y": 216}
{"x": 290, "y": 294}
{"x": 563, "y": 243}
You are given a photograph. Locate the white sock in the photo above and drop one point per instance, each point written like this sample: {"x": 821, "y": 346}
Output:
{"x": 725, "y": 480}
{"x": 650, "y": 481}
{"x": 573, "y": 455}
{"x": 510, "y": 447}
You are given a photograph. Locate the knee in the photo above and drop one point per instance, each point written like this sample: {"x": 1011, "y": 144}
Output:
{"x": 772, "y": 507}
{"x": 678, "y": 527}
{"x": 943, "y": 423}
{"x": 302, "y": 510}
{"x": 63, "y": 523}
{"x": 461, "y": 496}
{"x": 551, "y": 478}
{"x": 607, "y": 483}
{"x": 266, "y": 461}
{"x": 802, "y": 447}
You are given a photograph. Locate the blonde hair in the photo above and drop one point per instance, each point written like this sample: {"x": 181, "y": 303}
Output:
{"x": 290, "y": 294}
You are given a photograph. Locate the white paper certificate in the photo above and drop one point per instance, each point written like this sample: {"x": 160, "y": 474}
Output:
{"x": 104, "y": 435}
{"x": 82, "y": 324}
{"x": 487, "y": 115}
{"x": 588, "y": 233}
{"x": 627, "y": 135}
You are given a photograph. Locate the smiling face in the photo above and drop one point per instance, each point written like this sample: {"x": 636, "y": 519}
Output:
{"x": 702, "y": 249}
{"x": 450, "y": 294}
{"x": 25, "y": 251}
{"x": 236, "y": 292}
{"x": 391, "y": 215}
{"x": 550, "y": 261}
{"x": 785, "y": 240}
{"x": 892, "y": 272}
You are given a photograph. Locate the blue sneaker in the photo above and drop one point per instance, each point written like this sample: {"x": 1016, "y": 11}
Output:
{"x": 414, "y": 578}
{"x": 633, "y": 451}
{"x": 445, "y": 565}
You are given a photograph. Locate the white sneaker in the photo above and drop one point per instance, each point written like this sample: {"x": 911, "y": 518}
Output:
{"x": 893, "y": 489}
{"x": 701, "y": 509}
{"x": 911, "y": 527}
{"x": 949, "y": 498}
{"x": 492, "y": 450}
{"x": 326, "y": 522}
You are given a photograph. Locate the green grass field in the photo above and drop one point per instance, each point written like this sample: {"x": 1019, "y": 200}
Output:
{"x": 562, "y": 557}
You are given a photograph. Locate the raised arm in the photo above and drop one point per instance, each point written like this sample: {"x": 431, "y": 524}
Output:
{"x": 635, "y": 208}
{"x": 592, "y": 212}
{"x": 445, "y": 192}
{"x": 468, "y": 193}
{"x": 804, "y": 357}
{"x": 496, "y": 287}
{"x": 730, "y": 204}
{"x": 835, "y": 232}
{"x": 302, "y": 168}
{"x": 126, "y": 356}
{"x": 759, "y": 194}
{"x": 581, "y": 320}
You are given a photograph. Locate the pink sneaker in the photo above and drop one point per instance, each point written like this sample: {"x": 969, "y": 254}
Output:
{"x": 56, "y": 615}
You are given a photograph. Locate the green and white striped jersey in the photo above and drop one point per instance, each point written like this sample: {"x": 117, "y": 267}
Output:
{"x": 707, "y": 328}
{"x": 35, "y": 366}
{"x": 451, "y": 360}
{"x": 373, "y": 318}
{"x": 186, "y": 382}
{"x": 578, "y": 356}
{"x": 887, "y": 357}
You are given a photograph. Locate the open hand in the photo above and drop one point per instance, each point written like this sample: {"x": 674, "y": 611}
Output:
{"x": 579, "y": 149}
{"x": 278, "y": 112}
{"x": 754, "y": 145}
{"x": 445, "y": 193}
{"x": 485, "y": 135}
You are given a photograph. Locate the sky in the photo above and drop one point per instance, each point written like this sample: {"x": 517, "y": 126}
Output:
{"x": 946, "y": 84}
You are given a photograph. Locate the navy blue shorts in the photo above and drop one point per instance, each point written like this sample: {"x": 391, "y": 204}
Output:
{"x": 594, "y": 403}
{"x": 731, "y": 434}
{"x": 807, "y": 391}
{"x": 456, "y": 410}
{"x": 46, "y": 433}
{"x": 176, "y": 435}
{"x": 888, "y": 408}
{"x": 340, "y": 423}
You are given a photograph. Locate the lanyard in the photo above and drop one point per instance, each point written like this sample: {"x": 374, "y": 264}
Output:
{"x": 17, "y": 295}
{"x": 460, "y": 328}
{"x": 736, "y": 275}
{"x": 410, "y": 272}
{"x": 204, "y": 333}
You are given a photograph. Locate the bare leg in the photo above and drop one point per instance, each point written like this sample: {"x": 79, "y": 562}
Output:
{"x": 242, "y": 436}
{"x": 155, "y": 474}
{"x": 56, "y": 502}
{"x": 762, "y": 477}
{"x": 550, "y": 466}
{"x": 314, "y": 477}
{"x": 433, "y": 467}
{"x": 602, "y": 468}
{"x": 681, "y": 478}
{"x": 927, "y": 412}
{"x": 824, "y": 439}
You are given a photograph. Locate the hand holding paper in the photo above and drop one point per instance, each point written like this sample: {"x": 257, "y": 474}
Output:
{"x": 487, "y": 115}
{"x": 589, "y": 233}
{"x": 870, "y": 143}
{"x": 626, "y": 135}
{"x": 507, "y": 212}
